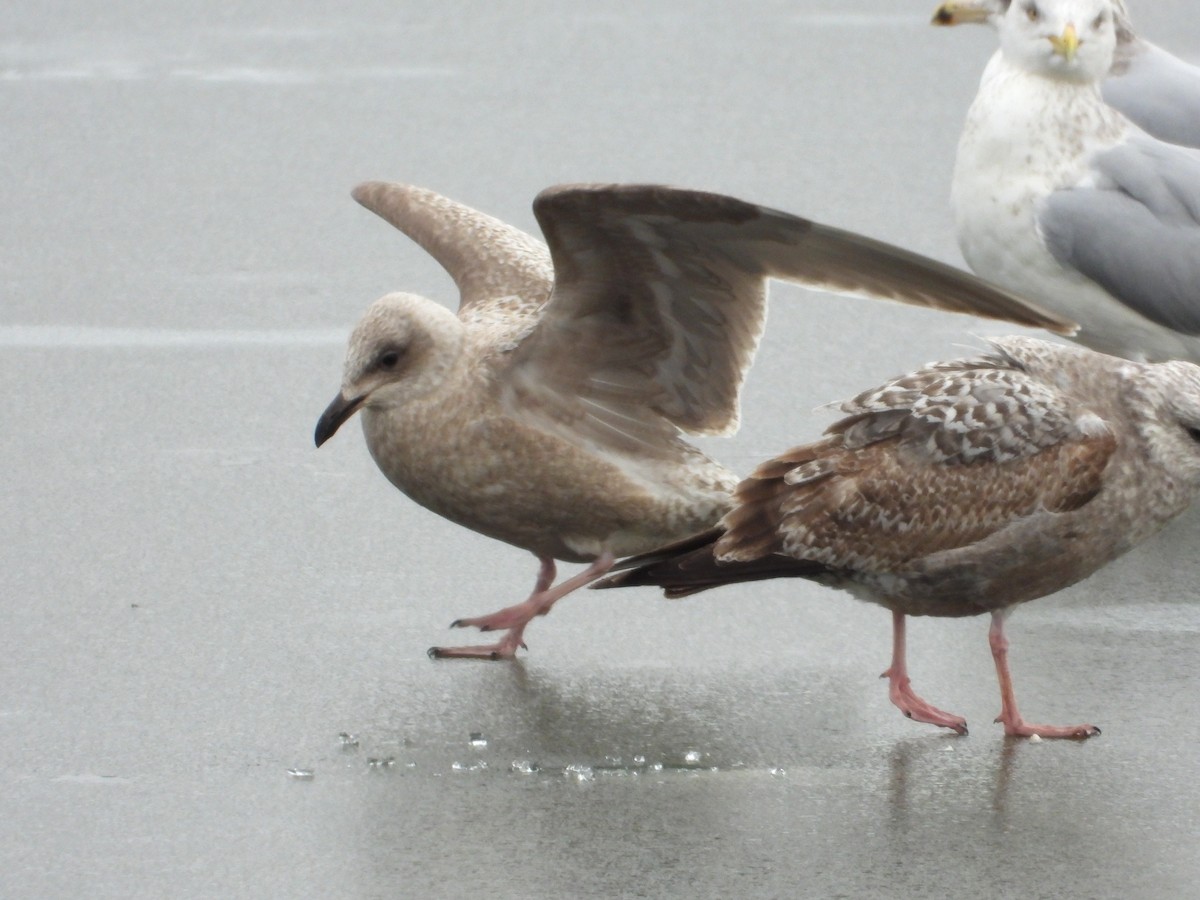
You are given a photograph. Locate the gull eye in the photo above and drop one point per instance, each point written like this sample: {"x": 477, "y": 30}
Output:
{"x": 389, "y": 359}
{"x": 1032, "y": 13}
{"x": 1193, "y": 433}
{"x": 1100, "y": 20}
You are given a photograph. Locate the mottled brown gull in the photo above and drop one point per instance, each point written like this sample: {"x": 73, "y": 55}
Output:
{"x": 963, "y": 488}
{"x": 1156, "y": 90}
{"x": 547, "y": 413}
{"x": 1059, "y": 197}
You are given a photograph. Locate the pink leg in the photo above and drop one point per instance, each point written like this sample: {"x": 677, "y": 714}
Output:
{"x": 514, "y": 618}
{"x": 901, "y": 690}
{"x": 1014, "y": 725}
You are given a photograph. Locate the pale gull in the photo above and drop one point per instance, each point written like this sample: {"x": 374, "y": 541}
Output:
{"x": 1058, "y": 197}
{"x": 1156, "y": 90}
{"x": 547, "y": 413}
{"x": 963, "y": 488}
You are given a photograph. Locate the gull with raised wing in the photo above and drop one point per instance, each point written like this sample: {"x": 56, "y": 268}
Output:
{"x": 548, "y": 412}
{"x": 963, "y": 488}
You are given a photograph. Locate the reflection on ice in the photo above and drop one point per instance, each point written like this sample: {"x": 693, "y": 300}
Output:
{"x": 217, "y": 74}
{"x": 861, "y": 20}
{"x": 38, "y": 337}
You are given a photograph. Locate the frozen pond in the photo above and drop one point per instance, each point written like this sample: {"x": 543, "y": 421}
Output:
{"x": 197, "y": 603}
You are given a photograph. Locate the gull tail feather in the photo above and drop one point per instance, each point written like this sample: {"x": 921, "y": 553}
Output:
{"x": 691, "y": 566}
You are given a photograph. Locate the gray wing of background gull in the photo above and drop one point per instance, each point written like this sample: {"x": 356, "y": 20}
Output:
{"x": 1157, "y": 91}
{"x": 660, "y": 298}
{"x": 1134, "y": 228}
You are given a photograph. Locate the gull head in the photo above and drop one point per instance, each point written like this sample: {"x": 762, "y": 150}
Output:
{"x": 1170, "y": 402}
{"x": 1069, "y": 40}
{"x": 402, "y": 349}
{"x": 991, "y": 12}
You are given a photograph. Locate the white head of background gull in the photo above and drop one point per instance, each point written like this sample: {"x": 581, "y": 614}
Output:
{"x": 1156, "y": 90}
{"x": 548, "y": 412}
{"x": 1060, "y": 198}
{"x": 963, "y": 488}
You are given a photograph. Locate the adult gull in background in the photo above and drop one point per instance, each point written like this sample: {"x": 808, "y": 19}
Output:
{"x": 963, "y": 488}
{"x": 1060, "y": 198}
{"x": 548, "y": 412}
{"x": 1156, "y": 90}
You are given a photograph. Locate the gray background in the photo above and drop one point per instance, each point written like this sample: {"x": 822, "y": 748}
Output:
{"x": 196, "y": 601}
